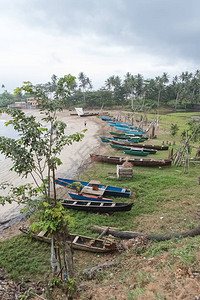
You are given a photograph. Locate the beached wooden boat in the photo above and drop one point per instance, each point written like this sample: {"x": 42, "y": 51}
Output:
{"x": 95, "y": 188}
{"x": 127, "y": 143}
{"x": 130, "y": 131}
{"x": 121, "y": 147}
{"x": 127, "y": 136}
{"x": 89, "y": 114}
{"x": 139, "y": 152}
{"x": 78, "y": 196}
{"x": 97, "y": 207}
{"x": 133, "y": 152}
{"x": 140, "y": 162}
{"x": 109, "y": 139}
{"x": 78, "y": 242}
{"x": 107, "y": 118}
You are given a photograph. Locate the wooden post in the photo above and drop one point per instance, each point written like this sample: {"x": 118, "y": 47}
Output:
{"x": 171, "y": 153}
{"x": 153, "y": 132}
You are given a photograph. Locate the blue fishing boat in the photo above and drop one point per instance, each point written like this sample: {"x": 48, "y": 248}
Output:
{"x": 108, "y": 139}
{"x": 95, "y": 188}
{"x": 127, "y": 131}
{"x": 85, "y": 197}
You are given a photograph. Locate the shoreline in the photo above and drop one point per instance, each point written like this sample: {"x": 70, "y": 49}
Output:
{"x": 75, "y": 160}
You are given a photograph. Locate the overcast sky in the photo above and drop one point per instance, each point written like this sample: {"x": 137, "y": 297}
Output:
{"x": 98, "y": 37}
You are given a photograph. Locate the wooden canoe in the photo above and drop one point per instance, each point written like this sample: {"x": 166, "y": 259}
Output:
{"x": 127, "y": 143}
{"x": 124, "y": 136}
{"x": 76, "y": 196}
{"x": 140, "y": 162}
{"x": 130, "y": 147}
{"x": 78, "y": 242}
{"x": 109, "y": 139}
{"x": 107, "y": 189}
{"x": 96, "y": 207}
{"x": 135, "y": 152}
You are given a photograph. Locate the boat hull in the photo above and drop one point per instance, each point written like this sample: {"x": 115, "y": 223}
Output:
{"x": 137, "y": 150}
{"x": 78, "y": 242}
{"x": 145, "y": 146}
{"x": 76, "y": 196}
{"x": 97, "y": 207}
{"x": 140, "y": 162}
{"x": 109, "y": 190}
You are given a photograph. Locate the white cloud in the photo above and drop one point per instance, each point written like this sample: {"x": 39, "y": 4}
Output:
{"x": 100, "y": 38}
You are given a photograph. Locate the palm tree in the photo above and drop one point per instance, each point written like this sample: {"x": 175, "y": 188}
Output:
{"x": 161, "y": 81}
{"x": 129, "y": 85}
{"x": 139, "y": 85}
{"x": 177, "y": 87}
{"x": 84, "y": 82}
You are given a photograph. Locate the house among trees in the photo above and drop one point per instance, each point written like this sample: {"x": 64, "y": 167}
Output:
{"x": 20, "y": 104}
{"x": 29, "y": 104}
{"x": 32, "y": 102}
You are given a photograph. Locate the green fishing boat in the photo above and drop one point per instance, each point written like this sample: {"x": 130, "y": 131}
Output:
{"x": 128, "y": 136}
{"x": 149, "y": 151}
{"x": 136, "y": 153}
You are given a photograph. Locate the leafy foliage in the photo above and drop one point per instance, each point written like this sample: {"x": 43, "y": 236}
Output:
{"x": 174, "y": 129}
{"x": 52, "y": 218}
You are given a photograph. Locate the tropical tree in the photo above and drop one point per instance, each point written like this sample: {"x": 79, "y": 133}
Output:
{"x": 177, "y": 87}
{"x": 114, "y": 84}
{"x": 139, "y": 82}
{"x": 129, "y": 85}
{"x": 85, "y": 82}
{"x": 36, "y": 153}
{"x": 161, "y": 81}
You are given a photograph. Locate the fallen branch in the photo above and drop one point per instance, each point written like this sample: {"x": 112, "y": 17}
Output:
{"x": 157, "y": 237}
{"x": 92, "y": 272}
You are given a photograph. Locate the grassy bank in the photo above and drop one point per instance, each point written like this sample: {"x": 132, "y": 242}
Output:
{"x": 166, "y": 200}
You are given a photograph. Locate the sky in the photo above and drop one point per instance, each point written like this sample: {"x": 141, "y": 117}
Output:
{"x": 100, "y": 38}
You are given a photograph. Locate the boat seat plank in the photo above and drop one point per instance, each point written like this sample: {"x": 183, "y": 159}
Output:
{"x": 76, "y": 239}
{"x": 41, "y": 233}
{"x": 89, "y": 190}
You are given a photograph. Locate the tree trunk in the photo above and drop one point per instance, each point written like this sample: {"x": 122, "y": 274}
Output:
{"x": 159, "y": 237}
{"x": 54, "y": 186}
{"x": 159, "y": 97}
{"x": 176, "y": 100}
{"x": 68, "y": 257}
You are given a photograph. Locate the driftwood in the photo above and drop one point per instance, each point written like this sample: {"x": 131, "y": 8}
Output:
{"x": 157, "y": 237}
{"x": 92, "y": 272}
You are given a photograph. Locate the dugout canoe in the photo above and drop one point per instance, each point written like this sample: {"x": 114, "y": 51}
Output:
{"x": 127, "y": 143}
{"x": 127, "y": 136}
{"x": 101, "y": 190}
{"x": 76, "y": 196}
{"x": 78, "y": 242}
{"x": 127, "y": 131}
{"x": 140, "y": 162}
{"x": 109, "y": 139}
{"x": 97, "y": 207}
{"x": 121, "y": 147}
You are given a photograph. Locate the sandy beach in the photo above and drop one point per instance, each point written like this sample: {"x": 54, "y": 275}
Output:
{"x": 73, "y": 158}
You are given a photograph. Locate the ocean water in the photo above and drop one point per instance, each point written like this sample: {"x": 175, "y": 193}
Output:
{"x": 9, "y": 213}
{"x": 73, "y": 158}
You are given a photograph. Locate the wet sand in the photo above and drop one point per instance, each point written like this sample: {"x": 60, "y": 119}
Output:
{"x": 73, "y": 158}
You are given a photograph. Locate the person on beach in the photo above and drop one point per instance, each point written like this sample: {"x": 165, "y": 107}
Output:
{"x": 85, "y": 123}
